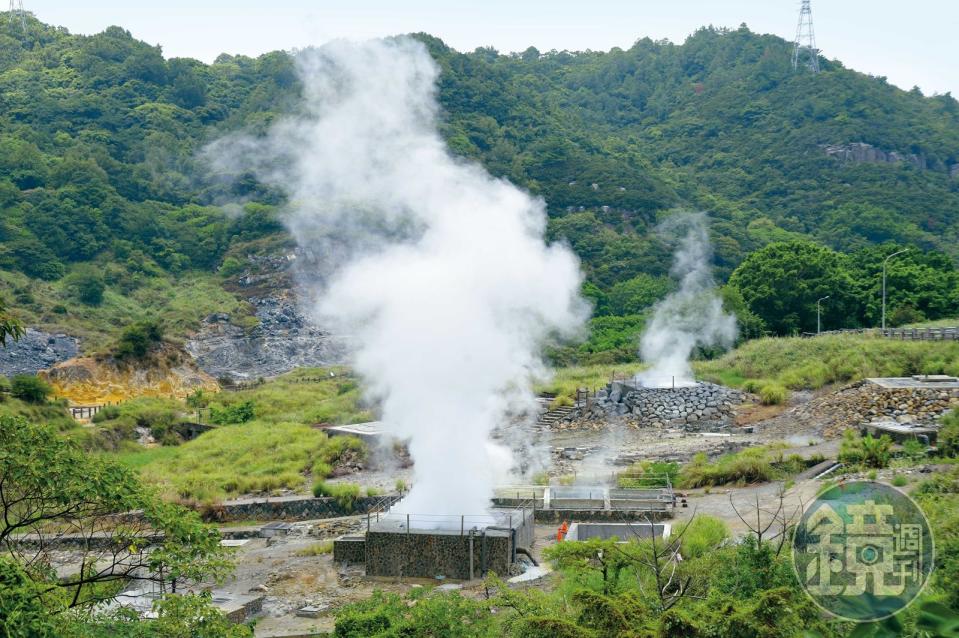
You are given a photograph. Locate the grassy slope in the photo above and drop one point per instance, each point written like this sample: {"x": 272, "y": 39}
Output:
{"x": 179, "y": 302}
{"x": 275, "y": 450}
{"x": 798, "y": 363}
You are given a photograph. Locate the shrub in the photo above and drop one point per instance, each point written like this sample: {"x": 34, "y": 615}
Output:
{"x": 138, "y": 339}
{"x": 373, "y": 491}
{"x": 400, "y": 486}
{"x": 231, "y": 266}
{"x": 106, "y": 413}
{"x": 88, "y": 285}
{"x": 343, "y": 450}
{"x": 772, "y": 394}
{"x": 866, "y": 451}
{"x": 344, "y": 494}
{"x": 30, "y": 388}
{"x": 948, "y": 441}
{"x": 899, "y": 480}
{"x": 234, "y": 413}
{"x": 702, "y": 535}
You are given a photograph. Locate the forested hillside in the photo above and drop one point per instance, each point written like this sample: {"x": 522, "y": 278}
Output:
{"x": 107, "y": 212}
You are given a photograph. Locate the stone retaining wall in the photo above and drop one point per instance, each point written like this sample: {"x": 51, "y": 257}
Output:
{"x": 294, "y": 509}
{"x": 428, "y": 555}
{"x": 687, "y": 406}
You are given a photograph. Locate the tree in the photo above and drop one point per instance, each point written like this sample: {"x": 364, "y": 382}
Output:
{"x": 30, "y": 388}
{"x": 51, "y": 489}
{"x": 781, "y": 283}
{"x": 22, "y": 612}
{"x": 634, "y": 295}
{"x": 10, "y": 326}
{"x": 89, "y": 286}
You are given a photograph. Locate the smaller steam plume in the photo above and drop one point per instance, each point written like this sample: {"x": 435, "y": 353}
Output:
{"x": 690, "y": 317}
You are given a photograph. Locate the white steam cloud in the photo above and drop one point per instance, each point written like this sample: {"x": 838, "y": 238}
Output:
{"x": 689, "y": 317}
{"x": 438, "y": 270}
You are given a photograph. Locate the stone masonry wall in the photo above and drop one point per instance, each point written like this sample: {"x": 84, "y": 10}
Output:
{"x": 658, "y": 407}
{"x": 425, "y": 555}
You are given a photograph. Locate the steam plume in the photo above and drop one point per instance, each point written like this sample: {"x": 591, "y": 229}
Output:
{"x": 437, "y": 269}
{"x": 692, "y": 315}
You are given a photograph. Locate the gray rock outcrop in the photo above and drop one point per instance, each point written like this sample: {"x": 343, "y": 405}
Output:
{"x": 35, "y": 351}
{"x": 283, "y": 340}
{"x": 862, "y": 153}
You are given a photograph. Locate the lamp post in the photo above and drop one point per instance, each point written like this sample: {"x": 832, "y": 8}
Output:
{"x": 884, "y": 262}
{"x": 819, "y": 313}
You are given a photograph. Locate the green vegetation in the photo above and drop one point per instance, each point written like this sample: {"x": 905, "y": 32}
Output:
{"x": 48, "y": 481}
{"x": 317, "y": 549}
{"x": 865, "y": 451}
{"x": 752, "y": 465}
{"x": 240, "y": 412}
{"x": 948, "y": 441}
{"x": 264, "y": 441}
{"x": 138, "y": 339}
{"x": 105, "y": 224}
{"x": 797, "y": 363}
{"x": 920, "y": 284}
{"x": 10, "y": 326}
{"x": 234, "y": 460}
{"x": 30, "y": 388}
{"x": 345, "y": 494}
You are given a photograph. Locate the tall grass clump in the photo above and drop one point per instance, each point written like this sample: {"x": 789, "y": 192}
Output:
{"x": 752, "y": 465}
{"x": 344, "y": 494}
{"x": 701, "y": 535}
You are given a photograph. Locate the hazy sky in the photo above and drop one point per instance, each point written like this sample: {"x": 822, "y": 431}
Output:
{"x": 911, "y": 43}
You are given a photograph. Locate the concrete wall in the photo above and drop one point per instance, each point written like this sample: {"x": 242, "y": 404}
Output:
{"x": 585, "y": 531}
{"x": 558, "y": 516}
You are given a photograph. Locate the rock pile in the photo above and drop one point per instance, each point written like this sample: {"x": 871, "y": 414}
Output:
{"x": 658, "y": 407}
{"x": 865, "y": 401}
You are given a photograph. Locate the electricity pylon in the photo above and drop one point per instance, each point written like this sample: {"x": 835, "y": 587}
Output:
{"x": 805, "y": 52}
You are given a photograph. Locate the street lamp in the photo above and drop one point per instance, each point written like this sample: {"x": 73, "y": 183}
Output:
{"x": 884, "y": 262}
{"x": 819, "y": 313}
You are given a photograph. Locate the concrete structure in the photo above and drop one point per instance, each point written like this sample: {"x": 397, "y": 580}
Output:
{"x": 902, "y": 432}
{"x": 454, "y": 547}
{"x": 577, "y": 499}
{"x": 371, "y": 432}
{"x": 919, "y": 381}
{"x": 623, "y": 531}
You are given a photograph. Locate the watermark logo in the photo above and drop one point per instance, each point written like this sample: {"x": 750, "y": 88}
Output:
{"x": 863, "y": 550}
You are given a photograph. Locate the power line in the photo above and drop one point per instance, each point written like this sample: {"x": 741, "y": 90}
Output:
{"x": 805, "y": 52}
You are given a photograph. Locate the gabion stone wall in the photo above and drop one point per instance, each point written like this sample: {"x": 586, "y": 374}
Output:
{"x": 432, "y": 553}
{"x": 683, "y": 406}
{"x": 349, "y": 549}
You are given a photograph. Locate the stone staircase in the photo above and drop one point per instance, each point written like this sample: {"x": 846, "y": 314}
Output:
{"x": 548, "y": 417}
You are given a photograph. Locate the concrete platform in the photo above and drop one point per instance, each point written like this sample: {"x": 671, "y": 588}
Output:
{"x": 925, "y": 382}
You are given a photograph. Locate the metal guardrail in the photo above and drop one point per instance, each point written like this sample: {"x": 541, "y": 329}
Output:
{"x": 902, "y": 334}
